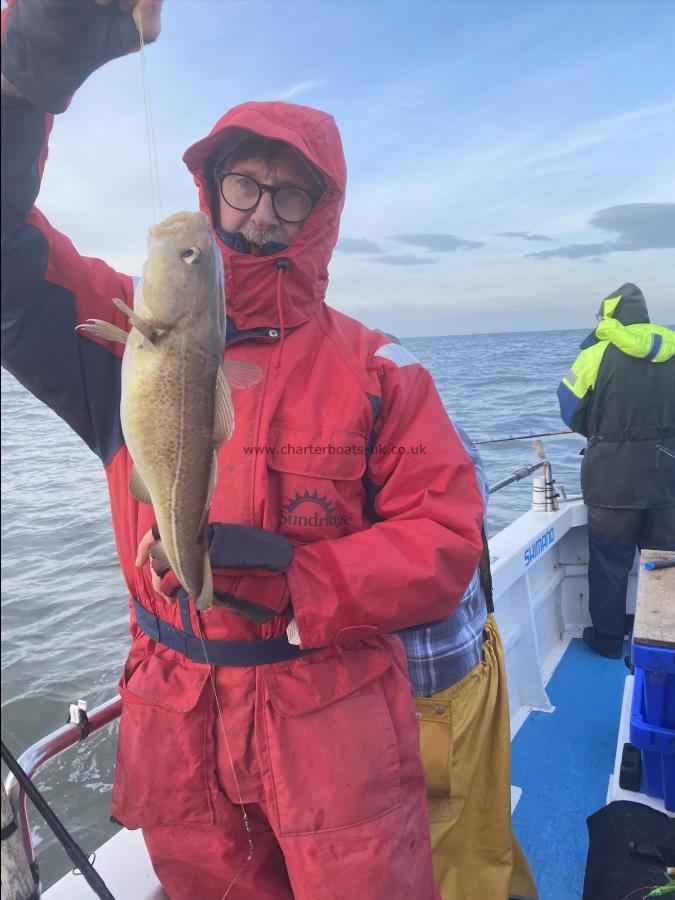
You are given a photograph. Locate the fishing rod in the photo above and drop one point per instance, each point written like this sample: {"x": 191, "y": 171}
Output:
{"x": 69, "y": 844}
{"x": 523, "y": 437}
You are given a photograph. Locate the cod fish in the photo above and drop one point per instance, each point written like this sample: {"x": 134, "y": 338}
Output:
{"x": 176, "y": 405}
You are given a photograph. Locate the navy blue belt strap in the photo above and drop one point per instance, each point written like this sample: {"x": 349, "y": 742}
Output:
{"x": 219, "y": 653}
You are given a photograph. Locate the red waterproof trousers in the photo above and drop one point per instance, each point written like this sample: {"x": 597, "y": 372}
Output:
{"x": 321, "y": 751}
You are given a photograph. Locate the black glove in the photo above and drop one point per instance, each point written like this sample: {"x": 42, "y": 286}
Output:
{"x": 52, "y": 46}
{"x": 243, "y": 547}
{"x": 248, "y": 567}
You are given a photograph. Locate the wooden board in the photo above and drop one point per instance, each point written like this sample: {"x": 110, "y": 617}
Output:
{"x": 655, "y": 610}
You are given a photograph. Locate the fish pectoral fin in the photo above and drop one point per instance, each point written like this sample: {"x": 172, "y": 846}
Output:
{"x": 105, "y": 330}
{"x": 205, "y": 599}
{"x": 137, "y": 487}
{"x": 223, "y": 420}
{"x": 241, "y": 374}
{"x": 147, "y": 330}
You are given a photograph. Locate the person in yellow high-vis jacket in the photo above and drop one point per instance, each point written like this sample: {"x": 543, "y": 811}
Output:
{"x": 620, "y": 394}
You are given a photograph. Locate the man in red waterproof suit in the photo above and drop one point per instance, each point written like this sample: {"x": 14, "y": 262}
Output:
{"x": 358, "y": 514}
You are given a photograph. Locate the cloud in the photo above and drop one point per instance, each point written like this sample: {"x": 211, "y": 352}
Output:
{"x": 357, "y": 245}
{"x": 575, "y": 251}
{"x": 525, "y": 235}
{"x": 404, "y": 259}
{"x": 442, "y": 243}
{"x": 300, "y": 88}
{"x": 438, "y": 243}
{"x": 640, "y": 226}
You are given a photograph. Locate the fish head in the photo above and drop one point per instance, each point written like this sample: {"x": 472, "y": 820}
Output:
{"x": 183, "y": 272}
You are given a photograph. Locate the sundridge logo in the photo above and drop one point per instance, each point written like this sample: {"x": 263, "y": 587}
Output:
{"x": 323, "y": 516}
{"x": 543, "y": 542}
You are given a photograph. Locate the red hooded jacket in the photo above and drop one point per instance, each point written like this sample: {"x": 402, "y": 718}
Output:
{"x": 343, "y": 446}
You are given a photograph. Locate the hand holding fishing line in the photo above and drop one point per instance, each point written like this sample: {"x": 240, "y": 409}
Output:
{"x": 52, "y": 46}
{"x": 146, "y": 14}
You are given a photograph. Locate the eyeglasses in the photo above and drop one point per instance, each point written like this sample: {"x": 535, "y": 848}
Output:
{"x": 290, "y": 204}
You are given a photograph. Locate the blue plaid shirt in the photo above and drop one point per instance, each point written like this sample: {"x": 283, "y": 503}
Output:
{"x": 441, "y": 654}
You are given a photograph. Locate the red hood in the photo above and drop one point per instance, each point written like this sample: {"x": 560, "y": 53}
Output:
{"x": 251, "y": 281}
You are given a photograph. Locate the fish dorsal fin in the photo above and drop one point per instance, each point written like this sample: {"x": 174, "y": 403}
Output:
{"x": 241, "y": 374}
{"x": 223, "y": 420}
{"x": 138, "y": 488}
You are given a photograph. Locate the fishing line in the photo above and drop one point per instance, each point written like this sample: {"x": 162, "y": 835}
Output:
{"x": 247, "y": 823}
{"x": 157, "y": 205}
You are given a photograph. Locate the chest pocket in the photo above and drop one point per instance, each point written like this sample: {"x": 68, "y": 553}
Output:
{"x": 315, "y": 486}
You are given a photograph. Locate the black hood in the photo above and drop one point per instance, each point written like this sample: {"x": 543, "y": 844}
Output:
{"x": 630, "y": 310}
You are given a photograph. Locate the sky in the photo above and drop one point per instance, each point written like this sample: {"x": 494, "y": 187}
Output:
{"x": 510, "y": 163}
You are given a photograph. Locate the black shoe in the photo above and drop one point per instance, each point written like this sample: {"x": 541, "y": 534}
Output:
{"x": 602, "y": 645}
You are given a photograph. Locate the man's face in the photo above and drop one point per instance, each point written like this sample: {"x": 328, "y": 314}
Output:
{"x": 262, "y": 224}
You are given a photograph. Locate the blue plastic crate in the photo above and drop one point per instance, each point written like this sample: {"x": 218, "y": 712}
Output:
{"x": 658, "y": 668}
{"x": 657, "y": 747}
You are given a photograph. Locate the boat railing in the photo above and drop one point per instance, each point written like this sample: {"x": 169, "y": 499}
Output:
{"x": 519, "y": 474}
{"x": 49, "y": 747}
{"x": 546, "y": 494}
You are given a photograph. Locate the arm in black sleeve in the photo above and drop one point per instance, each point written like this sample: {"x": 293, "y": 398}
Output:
{"x": 47, "y": 289}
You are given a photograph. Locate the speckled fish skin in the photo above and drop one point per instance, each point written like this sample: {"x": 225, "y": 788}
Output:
{"x": 170, "y": 385}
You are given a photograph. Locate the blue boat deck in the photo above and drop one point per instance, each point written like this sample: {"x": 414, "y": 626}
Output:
{"x": 562, "y": 761}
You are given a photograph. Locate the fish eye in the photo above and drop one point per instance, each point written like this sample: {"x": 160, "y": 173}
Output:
{"x": 191, "y": 255}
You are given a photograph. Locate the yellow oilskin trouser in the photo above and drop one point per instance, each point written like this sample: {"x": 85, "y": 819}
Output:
{"x": 465, "y": 742}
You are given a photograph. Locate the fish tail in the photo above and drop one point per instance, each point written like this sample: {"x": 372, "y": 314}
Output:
{"x": 205, "y": 599}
